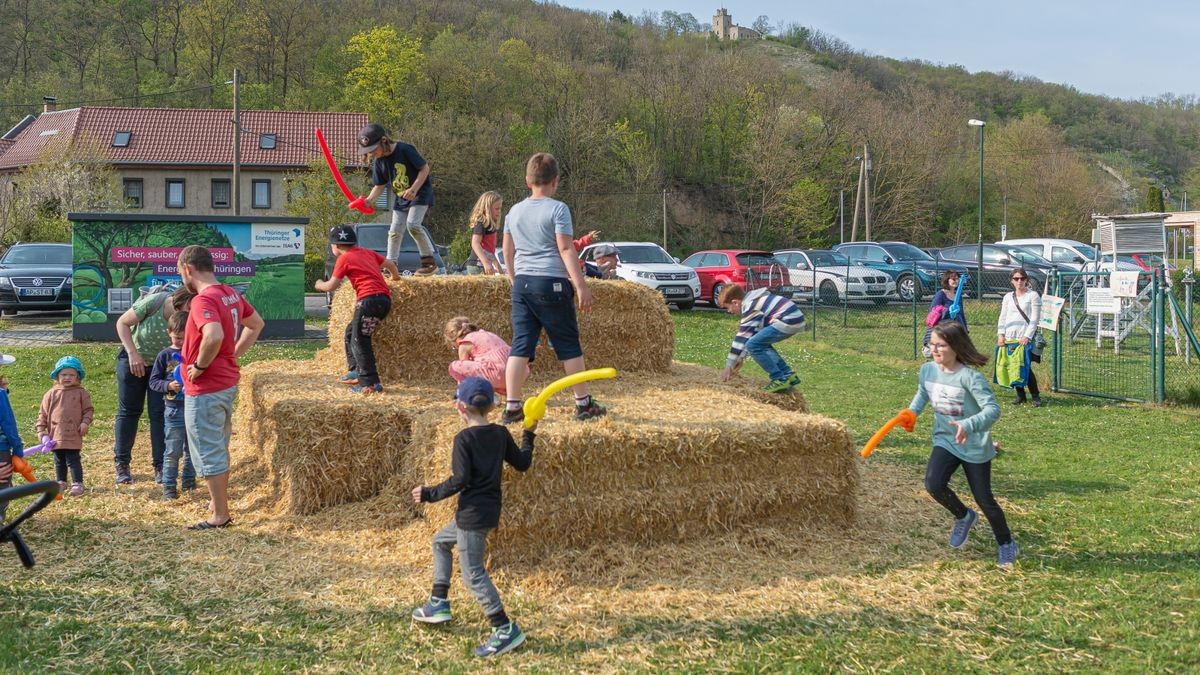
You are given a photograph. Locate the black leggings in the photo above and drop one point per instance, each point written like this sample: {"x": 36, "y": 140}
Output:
{"x": 942, "y": 465}
{"x": 1033, "y": 388}
{"x": 64, "y": 459}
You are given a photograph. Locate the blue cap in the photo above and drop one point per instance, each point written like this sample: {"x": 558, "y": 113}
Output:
{"x": 67, "y": 362}
{"x": 475, "y": 392}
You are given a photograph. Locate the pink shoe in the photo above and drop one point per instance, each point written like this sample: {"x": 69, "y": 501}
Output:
{"x": 76, "y": 490}
{"x": 62, "y": 487}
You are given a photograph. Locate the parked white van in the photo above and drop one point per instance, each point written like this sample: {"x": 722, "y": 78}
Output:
{"x": 1068, "y": 254}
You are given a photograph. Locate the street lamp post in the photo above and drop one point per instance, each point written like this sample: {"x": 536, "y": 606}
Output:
{"x": 979, "y": 260}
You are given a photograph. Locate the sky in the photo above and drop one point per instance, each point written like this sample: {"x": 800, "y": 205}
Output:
{"x": 1118, "y": 49}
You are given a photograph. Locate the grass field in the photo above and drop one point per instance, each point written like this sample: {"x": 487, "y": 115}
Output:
{"x": 1102, "y": 498}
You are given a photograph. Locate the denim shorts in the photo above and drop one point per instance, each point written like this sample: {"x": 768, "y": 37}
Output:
{"x": 209, "y": 419}
{"x": 544, "y": 303}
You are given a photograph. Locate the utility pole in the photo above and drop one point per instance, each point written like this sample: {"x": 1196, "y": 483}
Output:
{"x": 867, "y": 189}
{"x": 665, "y": 215}
{"x": 237, "y": 142}
{"x": 842, "y": 214}
{"x": 857, "y": 200}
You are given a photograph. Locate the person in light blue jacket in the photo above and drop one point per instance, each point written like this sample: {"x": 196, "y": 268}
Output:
{"x": 964, "y": 411}
{"x": 10, "y": 438}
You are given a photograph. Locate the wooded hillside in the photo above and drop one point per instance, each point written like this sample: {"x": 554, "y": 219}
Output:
{"x": 749, "y": 148}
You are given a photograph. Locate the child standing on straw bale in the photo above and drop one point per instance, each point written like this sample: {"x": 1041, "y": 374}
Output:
{"x": 162, "y": 380}
{"x": 964, "y": 411}
{"x": 480, "y": 451}
{"x": 10, "y": 438}
{"x": 485, "y": 223}
{"x": 373, "y": 301}
{"x": 480, "y": 352}
{"x": 766, "y": 319}
{"x": 547, "y": 278}
{"x": 65, "y": 416}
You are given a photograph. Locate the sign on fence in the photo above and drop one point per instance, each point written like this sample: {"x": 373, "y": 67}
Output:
{"x": 1101, "y": 301}
{"x": 1124, "y": 284}
{"x": 1051, "y": 307}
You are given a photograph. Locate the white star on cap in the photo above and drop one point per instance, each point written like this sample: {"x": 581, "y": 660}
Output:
{"x": 343, "y": 234}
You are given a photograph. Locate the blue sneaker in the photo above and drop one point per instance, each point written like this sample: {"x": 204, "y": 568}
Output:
{"x": 503, "y": 639}
{"x": 437, "y": 610}
{"x": 1007, "y": 554}
{"x": 349, "y": 378}
{"x": 367, "y": 389}
{"x": 962, "y": 529}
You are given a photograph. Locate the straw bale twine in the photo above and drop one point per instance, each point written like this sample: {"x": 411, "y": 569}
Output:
{"x": 629, "y": 327}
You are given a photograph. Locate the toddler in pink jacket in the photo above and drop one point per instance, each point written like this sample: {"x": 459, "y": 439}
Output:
{"x": 480, "y": 352}
{"x": 65, "y": 416}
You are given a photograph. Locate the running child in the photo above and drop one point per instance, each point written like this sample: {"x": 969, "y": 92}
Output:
{"x": 480, "y": 352}
{"x": 766, "y": 319}
{"x": 162, "y": 380}
{"x": 371, "y": 307}
{"x": 964, "y": 411}
{"x": 480, "y": 451}
{"x": 65, "y": 416}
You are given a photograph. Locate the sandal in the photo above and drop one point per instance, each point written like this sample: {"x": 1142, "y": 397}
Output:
{"x": 205, "y": 525}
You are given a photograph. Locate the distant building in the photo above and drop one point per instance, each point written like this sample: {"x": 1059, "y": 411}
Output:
{"x": 725, "y": 29}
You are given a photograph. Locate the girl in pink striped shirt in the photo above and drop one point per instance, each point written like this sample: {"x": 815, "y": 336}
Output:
{"x": 480, "y": 352}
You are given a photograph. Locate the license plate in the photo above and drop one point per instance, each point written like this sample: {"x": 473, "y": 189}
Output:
{"x": 874, "y": 288}
{"x": 789, "y": 289}
{"x": 37, "y": 291}
{"x": 675, "y": 291}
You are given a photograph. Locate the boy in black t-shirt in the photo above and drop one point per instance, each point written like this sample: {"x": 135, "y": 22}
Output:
{"x": 480, "y": 451}
{"x": 412, "y": 187}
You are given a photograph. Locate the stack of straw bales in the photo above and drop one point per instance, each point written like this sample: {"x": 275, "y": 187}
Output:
{"x": 680, "y": 454}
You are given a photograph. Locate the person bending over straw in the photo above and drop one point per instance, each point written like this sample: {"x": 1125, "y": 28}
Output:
{"x": 480, "y": 451}
{"x": 766, "y": 319}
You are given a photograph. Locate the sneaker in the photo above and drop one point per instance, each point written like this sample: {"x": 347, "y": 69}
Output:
{"x": 777, "y": 387}
{"x": 503, "y": 639}
{"x": 428, "y": 266}
{"x": 349, "y": 378}
{"x": 1007, "y": 554}
{"x": 188, "y": 486}
{"x": 367, "y": 389}
{"x": 1037, "y": 402}
{"x": 62, "y": 487}
{"x": 589, "y": 411}
{"x": 76, "y": 490}
{"x": 962, "y": 529}
{"x": 512, "y": 416}
{"x": 793, "y": 380}
{"x": 1019, "y": 400}
{"x": 123, "y": 477}
{"x": 170, "y": 494}
{"x": 158, "y": 476}
{"x": 436, "y": 610}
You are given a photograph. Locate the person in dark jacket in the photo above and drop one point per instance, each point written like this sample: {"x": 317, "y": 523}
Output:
{"x": 479, "y": 454}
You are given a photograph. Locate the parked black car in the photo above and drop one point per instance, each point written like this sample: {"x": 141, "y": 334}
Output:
{"x": 35, "y": 276}
{"x": 375, "y": 235}
{"x": 999, "y": 261}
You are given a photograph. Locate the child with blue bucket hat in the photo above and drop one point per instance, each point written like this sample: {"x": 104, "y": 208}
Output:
{"x": 65, "y": 417}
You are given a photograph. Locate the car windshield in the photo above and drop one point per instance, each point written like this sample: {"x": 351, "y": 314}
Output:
{"x": 1027, "y": 256}
{"x": 644, "y": 254}
{"x": 754, "y": 258}
{"x": 828, "y": 259}
{"x": 1087, "y": 252}
{"x": 907, "y": 252}
{"x": 38, "y": 255}
{"x": 374, "y": 238}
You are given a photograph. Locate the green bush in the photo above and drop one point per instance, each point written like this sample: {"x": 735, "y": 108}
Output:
{"x": 314, "y": 268}
{"x": 460, "y": 246}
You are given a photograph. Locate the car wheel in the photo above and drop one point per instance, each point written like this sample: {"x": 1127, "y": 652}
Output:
{"x": 908, "y": 288}
{"x": 828, "y": 293}
{"x": 717, "y": 288}
{"x": 685, "y": 306}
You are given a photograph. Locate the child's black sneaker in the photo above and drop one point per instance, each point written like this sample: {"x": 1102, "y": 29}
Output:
{"x": 592, "y": 409}
{"x": 512, "y": 416}
{"x": 123, "y": 476}
{"x": 170, "y": 494}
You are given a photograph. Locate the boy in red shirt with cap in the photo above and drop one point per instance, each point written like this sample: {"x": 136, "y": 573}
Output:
{"x": 371, "y": 307}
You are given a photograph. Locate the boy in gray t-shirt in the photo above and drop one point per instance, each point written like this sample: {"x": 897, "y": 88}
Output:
{"x": 546, "y": 277}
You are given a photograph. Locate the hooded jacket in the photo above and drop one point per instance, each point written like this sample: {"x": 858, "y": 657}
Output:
{"x": 63, "y": 410}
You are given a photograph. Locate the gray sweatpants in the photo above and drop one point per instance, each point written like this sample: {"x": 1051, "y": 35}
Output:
{"x": 409, "y": 219}
{"x": 472, "y": 551}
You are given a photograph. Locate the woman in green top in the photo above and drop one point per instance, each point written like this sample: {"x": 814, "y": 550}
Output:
{"x": 964, "y": 411}
{"x": 143, "y": 332}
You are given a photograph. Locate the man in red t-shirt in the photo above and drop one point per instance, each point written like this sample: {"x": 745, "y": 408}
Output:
{"x": 211, "y": 347}
{"x": 373, "y": 301}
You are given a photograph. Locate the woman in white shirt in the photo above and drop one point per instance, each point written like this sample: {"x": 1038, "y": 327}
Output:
{"x": 1018, "y": 321}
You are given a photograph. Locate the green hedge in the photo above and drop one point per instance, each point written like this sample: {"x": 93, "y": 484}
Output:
{"x": 314, "y": 268}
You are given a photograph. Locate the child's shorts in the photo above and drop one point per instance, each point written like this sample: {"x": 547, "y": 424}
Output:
{"x": 544, "y": 303}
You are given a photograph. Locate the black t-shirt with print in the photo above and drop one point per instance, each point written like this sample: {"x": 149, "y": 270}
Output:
{"x": 384, "y": 172}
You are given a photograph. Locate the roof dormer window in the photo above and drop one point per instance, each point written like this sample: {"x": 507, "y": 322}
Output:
{"x": 121, "y": 139}
{"x": 267, "y": 141}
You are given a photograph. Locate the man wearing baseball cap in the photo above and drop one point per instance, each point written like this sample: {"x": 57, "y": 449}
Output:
{"x": 412, "y": 187}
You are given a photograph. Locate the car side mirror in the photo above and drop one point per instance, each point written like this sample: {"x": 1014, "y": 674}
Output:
{"x": 890, "y": 260}
{"x": 1079, "y": 260}
{"x": 675, "y": 259}
{"x": 1006, "y": 261}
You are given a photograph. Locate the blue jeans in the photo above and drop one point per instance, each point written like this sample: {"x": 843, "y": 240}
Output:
{"x": 209, "y": 419}
{"x": 472, "y": 552}
{"x": 133, "y": 396}
{"x": 544, "y": 303}
{"x": 176, "y": 447}
{"x": 761, "y": 349}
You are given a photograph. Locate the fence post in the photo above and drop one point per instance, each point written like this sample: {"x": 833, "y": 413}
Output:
{"x": 1188, "y": 281}
{"x": 1162, "y": 333}
{"x": 1056, "y": 364}
{"x": 814, "y": 302}
{"x": 916, "y": 285}
{"x": 1154, "y": 333}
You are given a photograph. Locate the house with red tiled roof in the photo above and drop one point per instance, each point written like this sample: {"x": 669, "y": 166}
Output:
{"x": 173, "y": 160}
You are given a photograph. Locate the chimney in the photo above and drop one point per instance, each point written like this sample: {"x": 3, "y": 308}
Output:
{"x": 49, "y": 104}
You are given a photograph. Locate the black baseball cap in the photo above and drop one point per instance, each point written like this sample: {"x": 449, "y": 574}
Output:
{"x": 369, "y": 138}
{"x": 343, "y": 234}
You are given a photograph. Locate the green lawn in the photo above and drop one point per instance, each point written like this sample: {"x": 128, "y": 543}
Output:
{"x": 1102, "y": 498}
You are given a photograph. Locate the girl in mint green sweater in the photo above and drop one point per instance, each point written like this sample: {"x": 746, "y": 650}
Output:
{"x": 964, "y": 411}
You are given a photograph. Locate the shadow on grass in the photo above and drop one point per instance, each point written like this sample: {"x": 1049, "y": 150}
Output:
{"x": 1138, "y": 561}
{"x": 1075, "y": 488}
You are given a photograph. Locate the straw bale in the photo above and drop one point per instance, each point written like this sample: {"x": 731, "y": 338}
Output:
{"x": 629, "y": 327}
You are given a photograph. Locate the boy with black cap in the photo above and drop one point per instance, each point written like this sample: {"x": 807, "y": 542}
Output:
{"x": 412, "y": 187}
{"x": 372, "y": 304}
{"x": 480, "y": 451}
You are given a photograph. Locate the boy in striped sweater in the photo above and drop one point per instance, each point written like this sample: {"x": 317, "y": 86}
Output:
{"x": 766, "y": 319}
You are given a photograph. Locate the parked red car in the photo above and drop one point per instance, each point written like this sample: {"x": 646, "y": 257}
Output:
{"x": 746, "y": 268}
